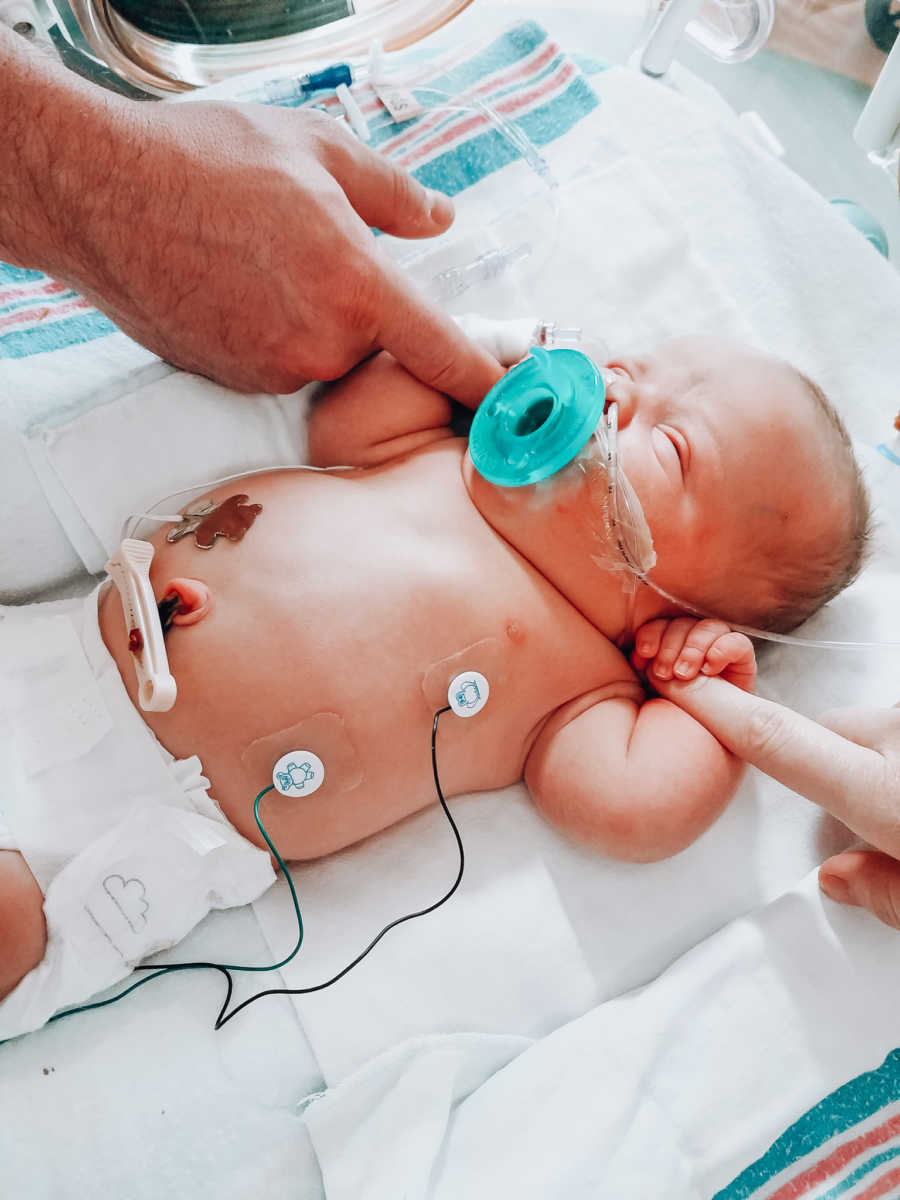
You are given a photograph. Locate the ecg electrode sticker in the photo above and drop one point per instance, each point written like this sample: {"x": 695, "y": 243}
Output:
{"x": 487, "y": 657}
{"x": 324, "y": 741}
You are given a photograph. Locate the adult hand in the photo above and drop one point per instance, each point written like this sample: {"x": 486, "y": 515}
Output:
{"x": 848, "y": 762}
{"x": 233, "y": 240}
{"x": 254, "y": 260}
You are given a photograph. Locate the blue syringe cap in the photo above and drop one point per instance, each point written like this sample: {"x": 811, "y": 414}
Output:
{"x": 537, "y": 418}
{"x": 328, "y": 79}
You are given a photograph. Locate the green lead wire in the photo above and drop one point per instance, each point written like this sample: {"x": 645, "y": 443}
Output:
{"x": 224, "y": 968}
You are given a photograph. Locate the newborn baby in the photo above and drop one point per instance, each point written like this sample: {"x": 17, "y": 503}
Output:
{"x": 339, "y": 618}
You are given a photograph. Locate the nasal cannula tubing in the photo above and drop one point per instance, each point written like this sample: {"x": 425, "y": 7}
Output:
{"x": 574, "y": 337}
{"x": 133, "y": 520}
{"x": 763, "y": 634}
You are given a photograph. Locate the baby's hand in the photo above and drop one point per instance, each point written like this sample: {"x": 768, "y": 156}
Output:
{"x": 681, "y": 648}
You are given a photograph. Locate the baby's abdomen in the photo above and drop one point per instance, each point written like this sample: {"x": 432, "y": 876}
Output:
{"x": 376, "y": 761}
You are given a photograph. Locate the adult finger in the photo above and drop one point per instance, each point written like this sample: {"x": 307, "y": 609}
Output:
{"x": 876, "y": 727}
{"x": 866, "y": 879}
{"x": 430, "y": 344}
{"x": 384, "y": 194}
{"x": 851, "y": 781}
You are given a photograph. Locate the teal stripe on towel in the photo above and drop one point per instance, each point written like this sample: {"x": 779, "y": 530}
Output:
{"x": 870, "y": 1165}
{"x": 471, "y": 161}
{"x": 847, "y": 1106}
{"x": 11, "y": 274}
{"x": 38, "y": 302}
{"x": 57, "y": 335}
{"x": 503, "y": 52}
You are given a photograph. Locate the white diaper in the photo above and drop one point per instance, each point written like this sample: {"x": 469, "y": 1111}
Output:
{"x": 125, "y": 841}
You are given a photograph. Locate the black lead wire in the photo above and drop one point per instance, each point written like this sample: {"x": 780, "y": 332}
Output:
{"x": 422, "y": 912}
{"x": 225, "y": 969}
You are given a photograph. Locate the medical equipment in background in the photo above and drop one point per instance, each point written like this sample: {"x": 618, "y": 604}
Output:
{"x": 728, "y": 30}
{"x": 259, "y": 70}
{"x": 863, "y": 221}
{"x": 157, "y": 49}
{"x": 881, "y": 22}
{"x": 876, "y": 131}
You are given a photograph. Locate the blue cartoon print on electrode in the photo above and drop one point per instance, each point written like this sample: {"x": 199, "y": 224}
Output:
{"x": 468, "y": 695}
{"x": 296, "y": 776}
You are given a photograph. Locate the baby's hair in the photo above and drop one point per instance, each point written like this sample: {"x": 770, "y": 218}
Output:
{"x": 802, "y": 582}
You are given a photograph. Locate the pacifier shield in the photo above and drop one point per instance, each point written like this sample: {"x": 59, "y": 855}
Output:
{"x": 537, "y": 418}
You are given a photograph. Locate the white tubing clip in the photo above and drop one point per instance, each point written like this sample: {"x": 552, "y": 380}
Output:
{"x": 129, "y": 569}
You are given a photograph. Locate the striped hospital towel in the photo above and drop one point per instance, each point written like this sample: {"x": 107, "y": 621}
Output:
{"x": 522, "y": 72}
{"x": 845, "y": 1148}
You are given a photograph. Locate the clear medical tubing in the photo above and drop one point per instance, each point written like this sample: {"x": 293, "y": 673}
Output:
{"x": 625, "y": 511}
{"x": 790, "y": 639}
{"x": 452, "y": 282}
{"x": 542, "y": 426}
{"x": 624, "y": 517}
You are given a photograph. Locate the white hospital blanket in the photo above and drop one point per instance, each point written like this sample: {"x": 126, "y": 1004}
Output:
{"x": 665, "y": 1092}
{"x": 144, "y": 1099}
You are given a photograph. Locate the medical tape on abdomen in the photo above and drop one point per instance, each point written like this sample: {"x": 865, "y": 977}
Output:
{"x": 489, "y": 657}
{"x": 322, "y": 734}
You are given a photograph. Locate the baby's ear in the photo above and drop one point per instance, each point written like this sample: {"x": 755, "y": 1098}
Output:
{"x": 194, "y": 600}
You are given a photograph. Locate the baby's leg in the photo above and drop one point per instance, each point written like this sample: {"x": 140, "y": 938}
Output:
{"x": 23, "y": 932}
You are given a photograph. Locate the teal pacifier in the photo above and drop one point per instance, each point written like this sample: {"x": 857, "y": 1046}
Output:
{"x": 537, "y": 418}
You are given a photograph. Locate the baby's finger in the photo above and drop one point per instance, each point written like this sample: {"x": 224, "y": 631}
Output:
{"x": 646, "y": 642}
{"x": 672, "y": 646}
{"x": 730, "y": 650}
{"x": 697, "y": 645}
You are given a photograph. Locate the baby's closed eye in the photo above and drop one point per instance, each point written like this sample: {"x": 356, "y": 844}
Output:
{"x": 681, "y": 445}
{"x": 670, "y": 448}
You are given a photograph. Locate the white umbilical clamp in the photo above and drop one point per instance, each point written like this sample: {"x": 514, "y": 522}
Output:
{"x": 129, "y": 569}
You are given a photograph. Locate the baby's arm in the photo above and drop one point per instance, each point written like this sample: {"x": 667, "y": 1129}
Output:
{"x": 375, "y": 413}
{"x": 641, "y": 779}
{"x": 379, "y": 411}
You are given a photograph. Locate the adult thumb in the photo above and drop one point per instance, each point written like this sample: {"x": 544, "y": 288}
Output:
{"x": 866, "y": 879}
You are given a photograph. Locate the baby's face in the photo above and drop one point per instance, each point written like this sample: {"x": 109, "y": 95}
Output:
{"x": 726, "y": 452}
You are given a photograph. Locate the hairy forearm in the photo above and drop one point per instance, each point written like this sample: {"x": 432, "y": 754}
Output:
{"x": 62, "y": 143}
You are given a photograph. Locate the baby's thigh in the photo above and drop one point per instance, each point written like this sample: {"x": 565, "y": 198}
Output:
{"x": 23, "y": 931}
